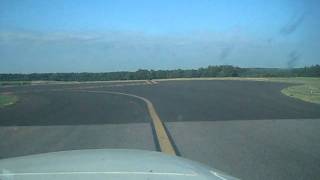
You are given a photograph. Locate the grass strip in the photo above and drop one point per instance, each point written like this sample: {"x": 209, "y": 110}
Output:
{"x": 7, "y": 100}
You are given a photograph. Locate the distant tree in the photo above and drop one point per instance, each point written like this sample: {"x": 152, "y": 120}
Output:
{"x": 210, "y": 71}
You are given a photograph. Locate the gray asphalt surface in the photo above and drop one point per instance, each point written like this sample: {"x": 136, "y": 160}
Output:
{"x": 240, "y": 127}
{"x": 26, "y": 140}
{"x": 72, "y": 108}
{"x": 253, "y": 149}
{"x": 222, "y": 100}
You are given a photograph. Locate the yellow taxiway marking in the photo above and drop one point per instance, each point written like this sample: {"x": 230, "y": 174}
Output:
{"x": 162, "y": 136}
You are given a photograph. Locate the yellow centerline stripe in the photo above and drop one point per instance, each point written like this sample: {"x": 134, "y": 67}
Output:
{"x": 162, "y": 136}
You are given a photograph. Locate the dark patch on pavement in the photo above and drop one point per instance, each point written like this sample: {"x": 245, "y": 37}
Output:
{"x": 222, "y": 100}
{"x": 155, "y": 139}
{"x": 73, "y": 108}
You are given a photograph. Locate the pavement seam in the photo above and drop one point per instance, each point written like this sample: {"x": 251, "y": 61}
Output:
{"x": 155, "y": 139}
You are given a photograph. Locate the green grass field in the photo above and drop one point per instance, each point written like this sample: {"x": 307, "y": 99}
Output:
{"x": 6, "y": 100}
{"x": 304, "y": 88}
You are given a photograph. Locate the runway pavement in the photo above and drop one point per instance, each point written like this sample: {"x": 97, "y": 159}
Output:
{"x": 248, "y": 129}
{"x": 253, "y": 149}
{"x": 26, "y": 140}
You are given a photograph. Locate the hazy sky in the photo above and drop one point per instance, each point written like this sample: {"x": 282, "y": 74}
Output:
{"x": 96, "y": 36}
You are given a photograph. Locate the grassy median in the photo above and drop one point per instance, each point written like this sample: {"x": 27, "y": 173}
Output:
{"x": 7, "y": 99}
{"x": 303, "y": 88}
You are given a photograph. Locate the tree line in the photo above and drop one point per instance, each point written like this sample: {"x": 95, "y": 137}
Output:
{"x": 142, "y": 74}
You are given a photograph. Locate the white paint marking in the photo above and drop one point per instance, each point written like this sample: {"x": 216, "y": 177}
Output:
{"x": 217, "y": 175}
